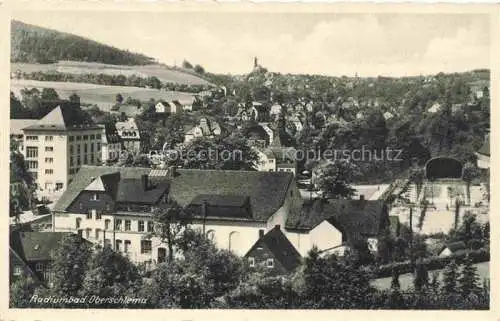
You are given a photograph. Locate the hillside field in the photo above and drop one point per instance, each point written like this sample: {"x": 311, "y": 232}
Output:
{"x": 102, "y": 96}
{"x": 163, "y": 73}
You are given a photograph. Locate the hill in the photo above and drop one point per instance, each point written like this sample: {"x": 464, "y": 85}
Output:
{"x": 34, "y": 44}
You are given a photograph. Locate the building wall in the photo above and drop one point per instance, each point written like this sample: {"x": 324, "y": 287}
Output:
{"x": 265, "y": 164}
{"x": 111, "y": 151}
{"x": 261, "y": 254}
{"x": 483, "y": 161}
{"x": 323, "y": 236}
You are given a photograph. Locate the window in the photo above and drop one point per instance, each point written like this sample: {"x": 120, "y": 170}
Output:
{"x": 118, "y": 245}
{"x": 78, "y": 161}
{"x": 78, "y": 138}
{"x": 150, "y": 226}
{"x": 141, "y": 226}
{"x": 32, "y": 164}
{"x": 95, "y": 197}
{"x": 251, "y": 261}
{"x": 71, "y": 149}
{"x": 145, "y": 246}
{"x": 49, "y": 171}
{"x": 59, "y": 186}
{"x": 211, "y": 235}
{"x": 91, "y": 147}
{"x": 78, "y": 149}
{"x": 85, "y": 160}
{"x": 87, "y": 233}
{"x": 98, "y": 136}
{"x": 127, "y": 246}
{"x": 118, "y": 225}
{"x": 18, "y": 270}
{"x": 106, "y": 224}
{"x": 90, "y": 214}
{"x": 107, "y": 243}
{"x": 80, "y": 232}
{"x": 97, "y": 233}
{"x": 127, "y": 225}
{"x": 85, "y": 137}
{"x": 92, "y": 137}
{"x": 49, "y": 149}
{"x": 98, "y": 215}
{"x": 71, "y": 161}
{"x": 270, "y": 263}
{"x": 91, "y": 158}
{"x": 39, "y": 267}
{"x": 78, "y": 222}
{"x": 85, "y": 148}
{"x": 32, "y": 138}
{"x": 49, "y": 160}
{"x": 31, "y": 152}
{"x": 98, "y": 146}
{"x": 49, "y": 138}
{"x": 71, "y": 138}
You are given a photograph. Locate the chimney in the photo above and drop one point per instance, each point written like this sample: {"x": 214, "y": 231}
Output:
{"x": 261, "y": 233}
{"x": 145, "y": 181}
{"x": 361, "y": 197}
{"x": 278, "y": 227}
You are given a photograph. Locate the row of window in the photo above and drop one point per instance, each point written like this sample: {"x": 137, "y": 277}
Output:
{"x": 85, "y": 148}
{"x": 269, "y": 262}
{"x": 120, "y": 245}
{"x": 49, "y": 171}
{"x": 86, "y": 160}
{"x": 31, "y": 152}
{"x": 85, "y": 137}
{"x": 120, "y": 225}
{"x": 35, "y": 138}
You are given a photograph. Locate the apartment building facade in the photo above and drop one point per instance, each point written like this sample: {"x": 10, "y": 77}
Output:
{"x": 56, "y": 146}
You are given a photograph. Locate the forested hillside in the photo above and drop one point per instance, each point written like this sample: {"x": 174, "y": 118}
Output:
{"x": 33, "y": 44}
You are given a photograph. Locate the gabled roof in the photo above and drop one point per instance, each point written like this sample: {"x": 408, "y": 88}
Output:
{"x": 454, "y": 246}
{"x": 282, "y": 249}
{"x": 62, "y": 117}
{"x": 111, "y": 134}
{"x": 36, "y": 246}
{"x": 221, "y": 206}
{"x": 266, "y": 190}
{"x": 131, "y": 190}
{"x": 349, "y": 216}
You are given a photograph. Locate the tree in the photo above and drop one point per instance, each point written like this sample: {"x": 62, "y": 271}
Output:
{"x": 70, "y": 264}
{"x": 421, "y": 279}
{"x": 450, "y": 278}
{"x": 199, "y": 69}
{"x": 74, "y": 98}
{"x": 468, "y": 282}
{"x": 21, "y": 291}
{"x": 49, "y": 94}
{"x": 470, "y": 173}
{"x": 186, "y": 64}
{"x": 119, "y": 98}
{"x": 171, "y": 221}
{"x": 333, "y": 179}
{"x": 109, "y": 274}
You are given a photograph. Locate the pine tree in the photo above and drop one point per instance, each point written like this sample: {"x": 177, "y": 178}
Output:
{"x": 450, "y": 276}
{"x": 468, "y": 283}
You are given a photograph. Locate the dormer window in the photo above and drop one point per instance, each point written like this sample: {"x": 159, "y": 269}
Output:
{"x": 270, "y": 263}
{"x": 251, "y": 262}
{"x": 95, "y": 197}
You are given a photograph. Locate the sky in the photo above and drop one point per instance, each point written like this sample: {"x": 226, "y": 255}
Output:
{"x": 307, "y": 43}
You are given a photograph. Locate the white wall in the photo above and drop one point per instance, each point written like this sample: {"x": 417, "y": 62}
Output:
{"x": 323, "y": 236}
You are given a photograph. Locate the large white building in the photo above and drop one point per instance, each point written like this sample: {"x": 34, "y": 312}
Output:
{"x": 56, "y": 146}
{"x": 112, "y": 206}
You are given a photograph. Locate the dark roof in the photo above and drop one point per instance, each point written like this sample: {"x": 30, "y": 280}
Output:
{"x": 112, "y": 136}
{"x": 222, "y": 206}
{"x": 36, "y": 246}
{"x": 131, "y": 190}
{"x": 361, "y": 216}
{"x": 266, "y": 190}
{"x": 485, "y": 149}
{"x": 282, "y": 249}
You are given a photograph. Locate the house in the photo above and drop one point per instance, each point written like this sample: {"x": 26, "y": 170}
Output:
{"x": 275, "y": 111}
{"x": 111, "y": 144}
{"x": 112, "y": 205}
{"x": 483, "y": 154}
{"x": 388, "y": 115}
{"x": 206, "y": 128}
{"x": 32, "y": 253}
{"x": 333, "y": 223}
{"x": 170, "y": 107}
{"x": 257, "y": 135}
{"x": 436, "y": 107}
{"x": 452, "y": 248}
{"x": 277, "y": 159}
{"x": 56, "y": 145}
{"x": 274, "y": 253}
{"x": 130, "y": 135}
